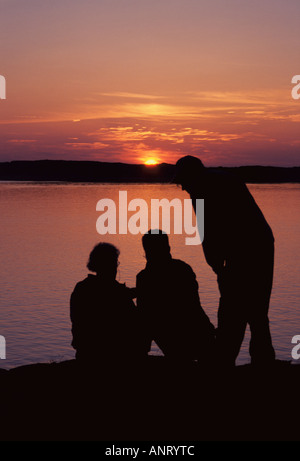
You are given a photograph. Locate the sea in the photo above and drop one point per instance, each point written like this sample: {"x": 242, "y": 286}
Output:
{"x": 48, "y": 230}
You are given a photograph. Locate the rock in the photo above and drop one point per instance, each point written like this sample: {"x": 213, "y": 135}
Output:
{"x": 150, "y": 400}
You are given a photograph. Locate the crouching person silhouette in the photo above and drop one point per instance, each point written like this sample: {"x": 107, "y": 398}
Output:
{"x": 103, "y": 315}
{"x": 168, "y": 300}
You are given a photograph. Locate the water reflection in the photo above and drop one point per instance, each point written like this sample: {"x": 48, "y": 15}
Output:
{"x": 47, "y": 231}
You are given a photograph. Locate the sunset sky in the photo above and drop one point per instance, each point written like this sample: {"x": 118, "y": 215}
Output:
{"x": 135, "y": 80}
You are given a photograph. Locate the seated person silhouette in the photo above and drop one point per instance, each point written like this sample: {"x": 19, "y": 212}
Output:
{"x": 102, "y": 312}
{"x": 169, "y": 304}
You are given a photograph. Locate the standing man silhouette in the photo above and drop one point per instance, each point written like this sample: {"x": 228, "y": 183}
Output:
{"x": 239, "y": 246}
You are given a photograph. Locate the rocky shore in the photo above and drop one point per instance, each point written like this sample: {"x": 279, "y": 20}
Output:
{"x": 151, "y": 401}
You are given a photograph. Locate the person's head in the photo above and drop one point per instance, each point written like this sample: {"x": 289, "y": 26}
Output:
{"x": 156, "y": 245}
{"x": 188, "y": 171}
{"x": 104, "y": 260}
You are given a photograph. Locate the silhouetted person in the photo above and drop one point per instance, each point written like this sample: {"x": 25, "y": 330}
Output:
{"x": 239, "y": 246}
{"x": 168, "y": 299}
{"x": 102, "y": 312}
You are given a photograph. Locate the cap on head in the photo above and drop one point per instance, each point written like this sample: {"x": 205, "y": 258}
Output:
{"x": 187, "y": 168}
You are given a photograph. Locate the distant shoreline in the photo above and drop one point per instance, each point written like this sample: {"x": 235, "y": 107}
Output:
{"x": 104, "y": 172}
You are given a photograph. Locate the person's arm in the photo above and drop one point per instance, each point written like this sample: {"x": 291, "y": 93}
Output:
{"x": 192, "y": 291}
{"x": 142, "y": 307}
{"x": 132, "y": 292}
{"x": 213, "y": 247}
{"x": 75, "y": 311}
{"x": 219, "y": 218}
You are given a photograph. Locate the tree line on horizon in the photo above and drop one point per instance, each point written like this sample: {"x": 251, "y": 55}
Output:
{"x": 93, "y": 171}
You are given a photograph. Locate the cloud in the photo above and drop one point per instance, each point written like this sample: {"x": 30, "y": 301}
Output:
{"x": 125, "y": 95}
{"x": 86, "y": 145}
{"x": 22, "y": 141}
{"x": 227, "y": 128}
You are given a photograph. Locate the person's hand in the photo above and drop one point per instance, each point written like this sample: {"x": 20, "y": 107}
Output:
{"x": 132, "y": 292}
{"x": 218, "y": 267}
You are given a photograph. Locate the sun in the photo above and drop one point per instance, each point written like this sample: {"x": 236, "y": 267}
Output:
{"x": 150, "y": 161}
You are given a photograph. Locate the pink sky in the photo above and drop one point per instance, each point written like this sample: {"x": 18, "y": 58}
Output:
{"x": 132, "y": 80}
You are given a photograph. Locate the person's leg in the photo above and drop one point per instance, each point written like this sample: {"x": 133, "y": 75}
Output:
{"x": 231, "y": 330}
{"x": 261, "y": 349}
{"x": 204, "y": 349}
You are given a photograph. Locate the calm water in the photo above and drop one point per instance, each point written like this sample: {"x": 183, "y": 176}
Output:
{"x": 48, "y": 230}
